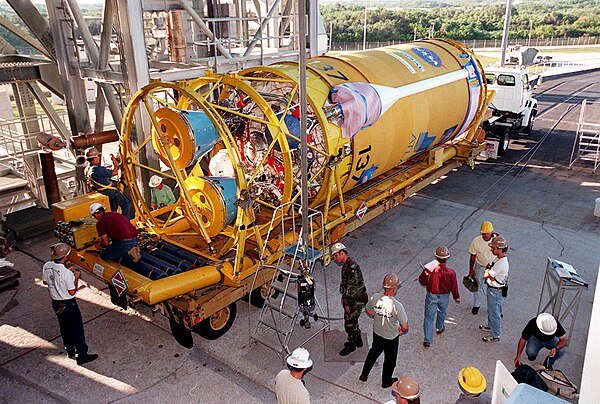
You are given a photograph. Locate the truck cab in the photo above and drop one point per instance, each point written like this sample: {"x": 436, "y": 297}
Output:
{"x": 513, "y": 108}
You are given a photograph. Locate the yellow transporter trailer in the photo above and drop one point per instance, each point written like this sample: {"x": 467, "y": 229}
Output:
{"x": 381, "y": 124}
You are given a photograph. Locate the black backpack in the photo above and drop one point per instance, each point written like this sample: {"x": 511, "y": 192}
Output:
{"x": 526, "y": 374}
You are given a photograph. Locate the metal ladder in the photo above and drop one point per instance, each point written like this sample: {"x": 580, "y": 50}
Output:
{"x": 587, "y": 141}
{"x": 282, "y": 310}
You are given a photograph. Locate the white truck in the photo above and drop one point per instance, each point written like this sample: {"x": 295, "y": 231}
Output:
{"x": 512, "y": 110}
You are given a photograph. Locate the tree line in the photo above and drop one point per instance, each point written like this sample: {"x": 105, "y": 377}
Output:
{"x": 535, "y": 19}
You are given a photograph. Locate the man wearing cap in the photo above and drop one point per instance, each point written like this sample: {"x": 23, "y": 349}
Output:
{"x": 406, "y": 391}
{"x": 540, "y": 332}
{"x": 99, "y": 178}
{"x": 354, "y": 296}
{"x": 389, "y": 322}
{"x": 162, "y": 195}
{"x": 116, "y": 234}
{"x": 481, "y": 255}
{"x": 472, "y": 385}
{"x": 439, "y": 282}
{"x": 496, "y": 278}
{"x": 289, "y": 383}
{"x": 62, "y": 284}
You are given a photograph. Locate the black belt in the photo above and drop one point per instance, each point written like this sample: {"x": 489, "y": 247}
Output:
{"x": 494, "y": 287}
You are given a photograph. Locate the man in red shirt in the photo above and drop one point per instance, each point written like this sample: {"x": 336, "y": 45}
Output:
{"x": 439, "y": 281}
{"x": 116, "y": 234}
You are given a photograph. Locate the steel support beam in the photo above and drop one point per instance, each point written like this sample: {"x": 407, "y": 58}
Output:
{"x": 92, "y": 50}
{"x": 73, "y": 86}
{"x": 36, "y": 23}
{"x": 198, "y": 20}
{"x": 263, "y": 26}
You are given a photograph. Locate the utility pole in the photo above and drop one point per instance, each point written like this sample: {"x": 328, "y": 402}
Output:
{"x": 505, "y": 32}
{"x": 365, "y": 27}
{"x": 530, "y": 29}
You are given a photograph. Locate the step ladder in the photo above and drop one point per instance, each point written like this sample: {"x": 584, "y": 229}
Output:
{"x": 289, "y": 302}
{"x": 587, "y": 141}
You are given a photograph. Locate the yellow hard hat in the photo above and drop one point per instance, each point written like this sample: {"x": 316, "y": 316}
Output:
{"x": 486, "y": 227}
{"x": 471, "y": 380}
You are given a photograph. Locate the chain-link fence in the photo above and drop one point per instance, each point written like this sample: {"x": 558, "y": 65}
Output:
{"x": 480, "y": 43}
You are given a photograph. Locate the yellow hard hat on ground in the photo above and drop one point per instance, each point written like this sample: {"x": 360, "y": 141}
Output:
{"x": 471, "y": 380}
{"x": 486, "y": 227}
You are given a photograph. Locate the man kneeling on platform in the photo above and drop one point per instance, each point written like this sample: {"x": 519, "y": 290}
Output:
{"x": 116, "y": 234}
{"x": 543, "y": 331}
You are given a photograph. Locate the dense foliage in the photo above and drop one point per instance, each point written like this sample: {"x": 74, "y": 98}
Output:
{"x": 460, "y": 19}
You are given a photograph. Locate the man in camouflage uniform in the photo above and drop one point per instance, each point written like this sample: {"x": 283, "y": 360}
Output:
{"x": 354, "y": 296}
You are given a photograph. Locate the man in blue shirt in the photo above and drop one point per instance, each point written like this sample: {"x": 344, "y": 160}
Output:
{"x": 99, "y": 178}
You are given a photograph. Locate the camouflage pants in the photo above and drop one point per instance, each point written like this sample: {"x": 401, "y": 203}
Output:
{"x": 351, "y": 322}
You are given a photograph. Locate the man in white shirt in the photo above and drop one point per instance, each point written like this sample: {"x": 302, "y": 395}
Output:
{"x": 62, "y": 285}
{"x": 480, "y": 256}
{"x": 496, "y": 277}
{"x": 289, "y": 383}
{"x": 389, "y": 322}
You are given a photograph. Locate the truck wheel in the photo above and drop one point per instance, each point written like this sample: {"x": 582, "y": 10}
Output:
{"x": 529, "y": 126}
{"x": 218, "y": 324}
{"x": 259, "y": 295}
{"x": 504, "y": 141}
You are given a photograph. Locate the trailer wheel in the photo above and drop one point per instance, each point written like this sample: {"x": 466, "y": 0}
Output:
{"x": 259, "y": 295}
{"x": 529, "y": 126}
{"x": 504, "y": 141}
{"x": 218, "y": 324}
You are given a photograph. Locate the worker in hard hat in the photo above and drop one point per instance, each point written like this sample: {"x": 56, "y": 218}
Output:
{"x": 406, "y": 391}
{"x": 472, "y": 385}
{"x": 439, "y": 282}
{"x": 389, "y": 322}
{"x": 481, "y": 255}
{"x": 543, "y": 331}
{"x": 496, "y": 278}
{"x": 117, "y": 236}
{"x": 100, "y": 179}
{"x": 354, "y": 296}
{"x": 62, "y": 284}
{"x": 289, "y": 383}
{"x": 162, "y": 195}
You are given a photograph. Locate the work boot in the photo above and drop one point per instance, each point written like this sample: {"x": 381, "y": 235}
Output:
{"x": 388, "y": 383}
{"x": 348, "y": 349}
{"x": 475, "y": 310}
{"x": 359, "y": 342}
{"x": 135, "y": 254}
{"x": 86, "y": 359}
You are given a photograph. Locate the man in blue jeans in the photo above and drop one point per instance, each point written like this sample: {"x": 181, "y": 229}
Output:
{"x": 439, "y": 282}
{"x": 496, "y": 278}
{"x": 117, "y": 236}
{"x": 540, "y": 332}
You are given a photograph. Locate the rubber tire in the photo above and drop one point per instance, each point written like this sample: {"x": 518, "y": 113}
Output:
{"x": 207, "y": 330}
{"x": 529, "y": 126}
{"x": 504, "y": 141}
{"x": 258, "y": 295}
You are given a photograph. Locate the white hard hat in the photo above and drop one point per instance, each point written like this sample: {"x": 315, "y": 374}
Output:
{"x": 546, "y": 323}
{"x": 155, "y": 181}
{"x": 337, "y": 247}
{"x": 94, "y": 207}
{"x": 300, "y": 359}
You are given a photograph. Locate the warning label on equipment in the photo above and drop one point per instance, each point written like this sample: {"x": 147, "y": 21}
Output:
{"x": 119, "y": 282}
